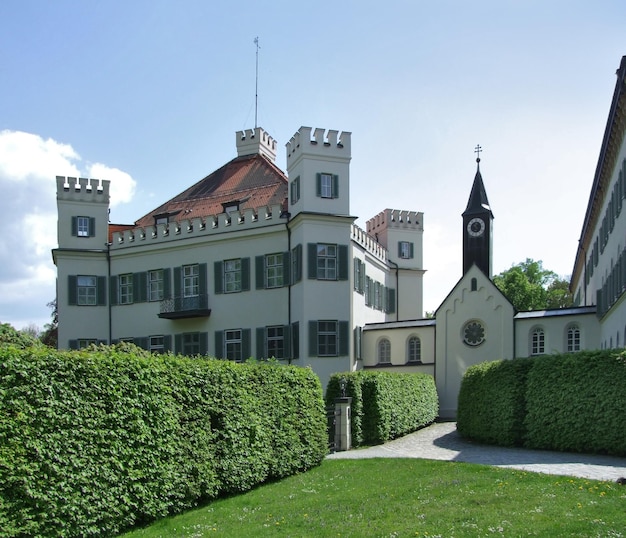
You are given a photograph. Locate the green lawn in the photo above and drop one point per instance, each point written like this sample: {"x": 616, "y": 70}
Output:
{"x": 409, "y": 497}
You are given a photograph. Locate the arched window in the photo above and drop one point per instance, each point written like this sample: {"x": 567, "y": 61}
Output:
{"x": 384, "y": 351}
{"x": 537, "y": 341}
{"x": 474, "y": 284}
{"x": 414, "y": 349}
{"x": 573, "y": 338}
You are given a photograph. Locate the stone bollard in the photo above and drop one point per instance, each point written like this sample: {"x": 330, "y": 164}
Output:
{"x": 343, "y": 439}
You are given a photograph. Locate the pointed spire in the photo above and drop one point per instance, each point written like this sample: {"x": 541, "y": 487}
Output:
{"x": 478, "y": 201}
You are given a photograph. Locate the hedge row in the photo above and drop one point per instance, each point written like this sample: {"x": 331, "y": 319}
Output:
{"x": 97, "y": 441}
{"x": 570, "y": 402}
{"x": 385, "y": 405}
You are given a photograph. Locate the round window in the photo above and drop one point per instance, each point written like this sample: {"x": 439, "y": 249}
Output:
{"x": 473, "y": 333}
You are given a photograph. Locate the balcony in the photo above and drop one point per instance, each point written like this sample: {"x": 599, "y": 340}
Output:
{"x": 185, "y": 307}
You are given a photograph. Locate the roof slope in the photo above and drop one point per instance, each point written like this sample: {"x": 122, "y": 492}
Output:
{"x": 252, "y": 181}
{"x": 478, "y": 202}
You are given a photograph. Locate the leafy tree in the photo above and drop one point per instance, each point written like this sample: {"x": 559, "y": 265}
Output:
{"x": 531, "y": 287}
{"x": 11, "y": 336}
{"x": 50, "y": 334}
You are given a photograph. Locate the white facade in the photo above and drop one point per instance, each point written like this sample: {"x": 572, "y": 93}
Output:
{"x": 296, "y": 279}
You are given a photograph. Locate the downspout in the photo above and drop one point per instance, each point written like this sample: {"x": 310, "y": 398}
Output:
{"x": 108, "y": 245}
{"x": 397, "y": 288}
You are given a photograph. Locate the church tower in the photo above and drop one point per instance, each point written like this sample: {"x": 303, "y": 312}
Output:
{"x": 477, "y": 226}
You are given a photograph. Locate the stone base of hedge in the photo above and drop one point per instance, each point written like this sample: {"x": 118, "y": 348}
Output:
{"x": 97, "y": 441}
{"x": 386, "y": 405}
{"x": 570, "y": 402}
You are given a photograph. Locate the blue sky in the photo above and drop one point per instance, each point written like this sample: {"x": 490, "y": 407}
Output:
{"x": 149, "y": 94}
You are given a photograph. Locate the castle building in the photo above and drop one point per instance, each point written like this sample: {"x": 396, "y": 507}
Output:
{"x": 251, "y": 261}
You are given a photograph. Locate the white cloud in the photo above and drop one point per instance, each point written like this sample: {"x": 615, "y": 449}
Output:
{"x": 29, "y": 165}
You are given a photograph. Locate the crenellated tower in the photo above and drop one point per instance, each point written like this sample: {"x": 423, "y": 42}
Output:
{"x": 83, "y": 209}
{"x": 256, "y": 141}
{"x": 318, "y": 166}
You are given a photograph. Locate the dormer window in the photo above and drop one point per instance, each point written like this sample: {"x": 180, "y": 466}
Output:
{"x": 161, "y": 219}
{"x": 230, "y": 206}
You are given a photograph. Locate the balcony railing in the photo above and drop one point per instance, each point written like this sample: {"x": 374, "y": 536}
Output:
{"x": 185, "y": 307}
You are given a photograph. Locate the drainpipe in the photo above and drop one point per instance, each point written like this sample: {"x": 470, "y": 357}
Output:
{"x": 108, "y": 245}
{"x": 397, "y": 288}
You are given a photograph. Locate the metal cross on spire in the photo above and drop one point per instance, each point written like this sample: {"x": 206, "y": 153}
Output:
{"x": 477, "y": 151}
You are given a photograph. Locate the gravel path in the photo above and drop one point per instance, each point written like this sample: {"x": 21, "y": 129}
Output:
{"x": 441, "y": 441}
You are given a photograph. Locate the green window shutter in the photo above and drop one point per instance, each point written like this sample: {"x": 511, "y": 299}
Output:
{"x": 178, "y": 282}
{"x": 335, "y": 186}
{"x": 74, "y": 226}
{"x": 245, "y": 274}
{"x": 343, "y": 262}
{"x": 344, "y": 337}
{"x": 295, "y": 340}
{"x": 286, "y": 342}
{"x": 313, "y": 351}
{"x": 101, "y": 290}
{"x": 259, "y": 266}
{"x": 219, "y": 344}
{"x": 167, "y": 285}
{"x": 318, "y": 185}
{"x": 140, "y": 287}
{"x": 411, "y": 250}
{"x": 72, "y": 290}
{"x": 167, "y": 343}
{"x": 312, "y": 260}
{"x": 246, "y": 344}
{"x": 357, "y": 343}
{"x": 391, "y": 301}
{"x": 92, "y": 226}
{"x": 297, "y": 263}
{"x": 362, "y": 280}
{"x": 286, "y": 266}
{"x": 141, "y": 342}
{"x": 260, "y": 343}
{"x": 204, "y": 343}
{"x": 178, "y": 342}
{"x": 367, "y": 293}
{"x": 73, "y": 344}
{"x": 399, "y": 249}
{"x": 114, "y": 290}
{"x": 202, "y": 278}
{"x": 218, "y": 269}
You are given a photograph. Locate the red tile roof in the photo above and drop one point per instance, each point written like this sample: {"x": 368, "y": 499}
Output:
{"x": 251, "y": 180}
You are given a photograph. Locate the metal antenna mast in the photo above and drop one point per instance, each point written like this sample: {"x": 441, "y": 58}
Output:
{"x": 256, "y": 86}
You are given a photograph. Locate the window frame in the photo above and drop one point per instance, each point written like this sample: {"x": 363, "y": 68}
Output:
{"x": 327, "y": 338}
{"x": 156, "y": 286}
{"x": 275, "y": 342}
{"x": 233, "y": 345}
{"x": 86, "y": 294}
{"x": 125, "y": 288}
{"x": 537, "y": 341}
{"x": 383, "y": 351}
{"x": 274, "y": 270}
{"x": 232, "y": 275}
{"x": 326, "y": 262}
{"x": 573, "y": 338}
{"x": 414, "y": 349}
{"x": 191, "y": 280}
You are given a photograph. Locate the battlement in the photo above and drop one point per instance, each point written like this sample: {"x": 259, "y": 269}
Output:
{"x": 396, "y": 219}
{"x": 369, "y": 243}
{"x": 255, "y": 141}
{"x": 326, "y": 143}
{"x": 198, "y": 227}
{"x": 83, "y": 189}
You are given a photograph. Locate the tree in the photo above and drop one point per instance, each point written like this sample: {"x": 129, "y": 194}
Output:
{"x": 531, "y": 287}
{"x": 51, "y": 330}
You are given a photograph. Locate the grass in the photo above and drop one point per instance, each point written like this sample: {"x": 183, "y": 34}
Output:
{"x": 409, "y": 497}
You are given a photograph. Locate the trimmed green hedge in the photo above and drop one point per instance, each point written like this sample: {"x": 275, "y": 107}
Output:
{"x": 386, "y": 405}
{"x": 97, "y": 441}
{"x": 492, "y": 402}
{"x": 570, "y": 402}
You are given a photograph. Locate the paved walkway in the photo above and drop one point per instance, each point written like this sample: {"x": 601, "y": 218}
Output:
{"x": 441, "y": 441}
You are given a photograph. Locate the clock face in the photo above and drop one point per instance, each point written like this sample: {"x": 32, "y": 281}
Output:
{"x": 476, "y": 227}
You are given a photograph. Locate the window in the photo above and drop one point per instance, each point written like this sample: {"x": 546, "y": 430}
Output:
{"x": 414, "y": 351}
{"x": 86, "y": 290}
{"x": 232, "y": 345}
{"x": 295, "y": 190}
{"x": 359, "y": 275}
{"x": 327, "y": 185}
{"x": 156, "y": 285}
{"x": 327, "y": 338}
{"x": 326, "y": 262}
{"x": 191, "y": 280}
{"x": 82, "y": 343}
{"x": 405, "y": 250}
{"x": 275, "y": 342}
{"x": 83, "y": 226}
{"x": 274, "y": 270}
{"x": 473, "y": 333}
{"x": 157, "y": 344}
{"x": 232, "y": 276}
{"x": 126, "y": 288}
{"x": 537, "y": 342}
{"x": 573, "y": 338}
{"x": 384, "y": 351}
{"x": 191, "y": 343}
